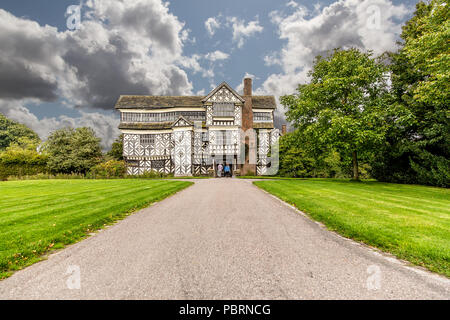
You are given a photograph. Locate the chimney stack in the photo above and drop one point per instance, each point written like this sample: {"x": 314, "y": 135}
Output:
{"x": 283, "y": 130}
{"x": 247, "y": 124}
{"x": 247, "y": 87}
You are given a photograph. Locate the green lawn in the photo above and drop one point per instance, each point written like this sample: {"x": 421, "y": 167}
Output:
{"x": 411, "y": 222}
{"x": 39, "y": 216}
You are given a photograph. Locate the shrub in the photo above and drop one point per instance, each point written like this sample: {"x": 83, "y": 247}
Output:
{"x": 47, "y": 176}
{"x": 108, "y": 170}
{"x": 151, "y": 175}
{"x": 21, "y": 161}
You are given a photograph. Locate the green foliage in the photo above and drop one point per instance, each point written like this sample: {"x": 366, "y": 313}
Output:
{"x": 116, "y": 151}
{"x": 342, "y": 108}
{"x": 48, "y": 176}
{"x": 152, "y": 174}
{"x": 109, "y": 169}
{"x": 12, "y": 132}
{"x": 294, "y": 160}
{"x": 73, "y": 150}
{"x": 418, "y": 140}
{"x": 21, "y": 158}
{"x": 299, "y": 160}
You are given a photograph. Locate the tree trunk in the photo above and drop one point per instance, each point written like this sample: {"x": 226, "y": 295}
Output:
{"x": 355, "y": 166}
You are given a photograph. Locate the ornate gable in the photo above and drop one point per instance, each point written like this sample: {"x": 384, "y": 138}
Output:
{"x": 182, "y": 122}
{"x": 224, "y": 93}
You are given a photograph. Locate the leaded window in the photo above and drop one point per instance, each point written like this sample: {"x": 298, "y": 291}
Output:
{"x": 223, "y": 110}
{"x": 262, "y": 116}
{"x": 147, "y": 139}
{"x": 223, "y": 137}
{"x": 162, "y": 116}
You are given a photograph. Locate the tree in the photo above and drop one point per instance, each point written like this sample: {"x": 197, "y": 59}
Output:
{"x": 298, "y": 159}
{"x": 418, "y": 143}
{"x": 342, "y": 107}
{"x": 294, "y": 159}
{"x": 11, "y": 132}
{"x": 116, "y": 151}
{"x": 73, "y": 150}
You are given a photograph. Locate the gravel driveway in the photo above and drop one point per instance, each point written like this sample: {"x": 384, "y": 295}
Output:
{"x": 221, "y": 239}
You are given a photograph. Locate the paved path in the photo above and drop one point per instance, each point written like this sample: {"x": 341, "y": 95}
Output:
{"x": 221, "y": 239}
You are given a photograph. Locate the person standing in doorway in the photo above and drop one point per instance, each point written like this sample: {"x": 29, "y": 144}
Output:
{"x": 227, "y": 171}
{"x": 219, "y": 170}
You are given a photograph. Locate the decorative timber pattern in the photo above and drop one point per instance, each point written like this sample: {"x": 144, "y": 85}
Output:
{"x": 186, "y": 135}
{"x": 209, "y": 117}
{"x": 143, "y": 158}
{"x": 182, "y": 122}
{"x": 224, "y": 95}
{"x": 263, "y": 151}
{"x": 183, "y": 152}
{"x": 237, "y": 115}
{"x": 162, "y": 146}
{"x": 225, "y": 142}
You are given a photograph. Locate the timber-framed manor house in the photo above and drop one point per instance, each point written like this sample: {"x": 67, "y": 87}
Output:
{"x": 191, "y": 135}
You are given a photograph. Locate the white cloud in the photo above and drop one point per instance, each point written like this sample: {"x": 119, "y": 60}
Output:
{"x": 242, "y": 31}
{"x": 105, "y": 126}
{"x": 292, "y": 4}
{"x": 212, "y": 24}
{"x": 217, "y": 55}
{"x": 345, "y": 24}
{"x": 122, "y": 47}
{"x": 133, "y": 47}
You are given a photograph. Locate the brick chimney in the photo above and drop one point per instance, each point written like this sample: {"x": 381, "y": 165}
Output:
{"x": 283, "y": 130}
{"x": 247, "y": 123}
{"x": 247, "y": 112}
{"x": 247, "y": 87}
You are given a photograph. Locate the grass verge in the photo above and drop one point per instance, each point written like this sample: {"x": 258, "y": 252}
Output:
{"x": 411, "y": 222}
{"x": 39, "y": 216}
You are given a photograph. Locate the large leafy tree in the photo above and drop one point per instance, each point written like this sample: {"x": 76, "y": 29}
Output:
{"x": 12, "y": 132}
{"x": 73, "y": 150}
{"x": 116, "y": 151}
{"x": 299, "y": 159}
{"x": 342, "y": 107}
{"x": 418, "y": 144}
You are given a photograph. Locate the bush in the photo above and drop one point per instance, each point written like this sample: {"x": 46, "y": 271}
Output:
{"x": 151, "y": 175}
{"x": 21, "y": 161}
{"x": 108, "y": 170}
{"x": 47, "y": 176}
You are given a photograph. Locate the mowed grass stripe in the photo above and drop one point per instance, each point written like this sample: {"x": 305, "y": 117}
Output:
{"x": 69, "y": 207}
{"x": 411, "y": 231}
{"x": 88, "y": 217}
{"x": 383, "y": 196}
{"x": 348, "y": 199}
{"x": 51, "y": 193}
{"x": 68, "y": 203}
{"x": 407, "y": 191}
{"x": 69, "y": 211}
{"x": 375, "y": 189}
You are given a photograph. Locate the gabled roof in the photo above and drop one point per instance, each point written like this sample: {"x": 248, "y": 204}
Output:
{"x": 182, "y": 122}
{"x": 220, "y": 86}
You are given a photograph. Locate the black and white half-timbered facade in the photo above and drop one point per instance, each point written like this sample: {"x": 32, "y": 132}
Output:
{"x": 191, "y": 135}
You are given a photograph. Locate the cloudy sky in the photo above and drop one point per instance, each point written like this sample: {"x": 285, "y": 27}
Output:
{"x": 55, "y": 72}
